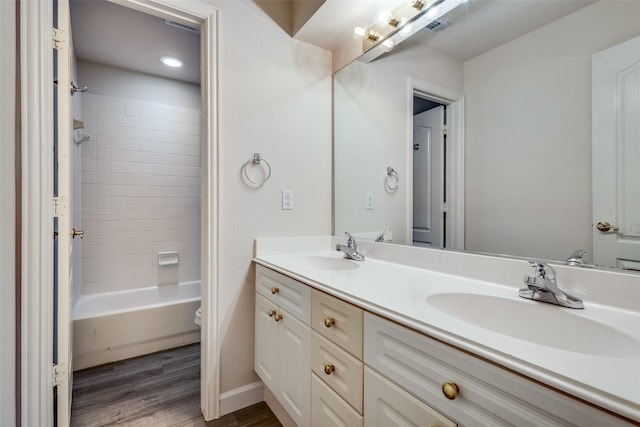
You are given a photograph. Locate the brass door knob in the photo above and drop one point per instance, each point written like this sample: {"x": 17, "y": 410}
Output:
{"x": 271, "y": 312}
{"x": 275, "y": 290}
{"x": 329, "y": 368}
{"x": 605, "y": 227}
{"x": 278, "y": 317}
{"x": 329, "y": 322}
{"x": 450, "y": 390}
{"x": 75, "y": 233}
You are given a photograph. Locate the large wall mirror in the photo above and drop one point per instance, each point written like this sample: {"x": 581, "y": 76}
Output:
{"x": 532, "y": 136}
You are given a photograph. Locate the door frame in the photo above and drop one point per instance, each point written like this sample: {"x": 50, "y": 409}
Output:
{"x": 36, "y": 75}
{"x": 454, "y": 160}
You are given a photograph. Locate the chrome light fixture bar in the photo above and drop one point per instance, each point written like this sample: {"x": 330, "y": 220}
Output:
{"x": 423, "y": 12}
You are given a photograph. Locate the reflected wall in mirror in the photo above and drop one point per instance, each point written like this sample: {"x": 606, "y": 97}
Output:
{"x": 525, "y": 130}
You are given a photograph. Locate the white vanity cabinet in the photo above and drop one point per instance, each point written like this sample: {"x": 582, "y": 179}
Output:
{"x": 336, "y": 362}
{"x": 479, "y": 393}
{"x": 283, "y": 341}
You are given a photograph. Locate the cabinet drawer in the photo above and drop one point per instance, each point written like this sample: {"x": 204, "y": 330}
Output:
{"x": 338, "y": 321}
{"x": 488, "y": 395}
{"x": 340, "y": 370}
{"x": 328, "y": 409}
{"x": 290, "y": 295}
{"x": 387, "y": 405}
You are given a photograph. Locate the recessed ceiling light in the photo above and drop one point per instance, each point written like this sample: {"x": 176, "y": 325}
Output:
{"x": 172, "y": 61}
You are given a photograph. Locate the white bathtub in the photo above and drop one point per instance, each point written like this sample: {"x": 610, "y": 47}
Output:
{"x": 118, "y": 325}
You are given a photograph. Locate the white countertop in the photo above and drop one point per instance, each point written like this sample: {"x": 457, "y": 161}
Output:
{"x": 571, "y": 359}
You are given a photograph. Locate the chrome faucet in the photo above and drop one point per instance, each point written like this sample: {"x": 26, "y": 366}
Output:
{"x": 381, "y": 238}
{"x": 543, "y": 287}
{"x": 577, "y": 258}
{"x": 350, "y": 249}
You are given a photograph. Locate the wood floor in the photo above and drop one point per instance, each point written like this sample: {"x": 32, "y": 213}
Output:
{"x": 160, "y": 390}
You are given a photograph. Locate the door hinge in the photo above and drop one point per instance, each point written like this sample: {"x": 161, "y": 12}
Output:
{"x": 58, "y": 205}
{"x": 59, "y": 374}
{"x": 59, "y": 38}
{"x": 445, "y": 129}
{"x": 445, "y": 208}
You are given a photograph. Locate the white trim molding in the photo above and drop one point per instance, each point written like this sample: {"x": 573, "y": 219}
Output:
{"x": 454, "y": 101}
{"x": 37, "y": 171}
{"x": 36, "y": 74}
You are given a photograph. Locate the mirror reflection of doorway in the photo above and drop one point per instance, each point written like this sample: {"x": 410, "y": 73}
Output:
{"x": 429, "y": 171}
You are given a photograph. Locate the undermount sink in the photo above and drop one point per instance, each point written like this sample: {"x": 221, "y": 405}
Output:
{"x": 319, "y": 262}
{"x": 538, "y": 323}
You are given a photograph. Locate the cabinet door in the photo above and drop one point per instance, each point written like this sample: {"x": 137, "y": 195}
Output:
{"x": 328, "y": 409}
{"x": 294, "y": 368}
{"x": 387, "y": 405}
{"x": 266, "y": 343}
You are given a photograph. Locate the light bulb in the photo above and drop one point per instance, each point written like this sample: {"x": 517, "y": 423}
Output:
{"x": 406, "y": 30}
{"x": 359, "y": 31}
{"x": 387, "y": 45}
{"x": 386, "y": 18}
{"x": 383, "y": 18}
{"x": 433, "y": 12}
{"x": 171, "y": 61}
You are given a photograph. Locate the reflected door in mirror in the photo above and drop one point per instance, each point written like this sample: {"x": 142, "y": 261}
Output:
{"x": 428, "y": 178}
{"x": 616, "y": 155}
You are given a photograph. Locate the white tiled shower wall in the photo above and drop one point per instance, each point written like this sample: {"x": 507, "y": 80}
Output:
{"x": 140, "y": 193}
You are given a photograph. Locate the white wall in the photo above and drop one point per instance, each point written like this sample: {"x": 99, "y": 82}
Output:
{"x": 275, "y": 99}
{"x": 371, "y": 133}
{"x": 140, "y": 180}
{"x": 545, "y": 163}
{"x": 7, "y": 214}
{"x": 117, "y": 82}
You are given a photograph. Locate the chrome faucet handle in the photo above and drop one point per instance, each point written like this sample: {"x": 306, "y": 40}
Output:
{"x": 543, "y": 270}
{"x": 577, "y": 257}
{"x": 351, "y": 242}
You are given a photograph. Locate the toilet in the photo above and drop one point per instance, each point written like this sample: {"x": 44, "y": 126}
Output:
{"x": 198, "y": 318}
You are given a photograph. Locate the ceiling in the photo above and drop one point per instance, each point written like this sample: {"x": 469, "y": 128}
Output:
{"x": 114, "y": 35}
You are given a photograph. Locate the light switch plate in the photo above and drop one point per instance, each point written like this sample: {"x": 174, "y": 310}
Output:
{"x": 369, "y": 201}
{"x": 287, "y": 200}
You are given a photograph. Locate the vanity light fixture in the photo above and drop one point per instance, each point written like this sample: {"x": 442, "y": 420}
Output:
{"x": 417, "y": 4}
{"x": 368, "y": 34}
{"x": 172, "y": 61}
{"x": 386, "y": 18}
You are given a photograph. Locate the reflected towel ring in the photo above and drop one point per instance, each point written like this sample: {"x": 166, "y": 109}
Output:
{"x": 256, "y": 160}
{"x": 392, "y": 180}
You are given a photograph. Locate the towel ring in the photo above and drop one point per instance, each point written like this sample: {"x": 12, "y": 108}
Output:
{"x": 256, "y": 160}
{"x": 391, "y": 180}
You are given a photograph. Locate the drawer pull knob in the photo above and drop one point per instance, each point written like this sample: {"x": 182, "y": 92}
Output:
{"x": 275, "y": 290}
{"x": 329, "y": 368}
{"x": 450, "y": 390}
{"x": 278, "y": 317}
{"x": 329, "y": 322}
{"x": 271, "y": 312}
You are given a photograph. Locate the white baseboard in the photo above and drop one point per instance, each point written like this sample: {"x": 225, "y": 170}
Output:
{"x": 241, "y": 397}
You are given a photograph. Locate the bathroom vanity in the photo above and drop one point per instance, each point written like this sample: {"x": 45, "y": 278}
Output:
{"x": 398, "y": 338}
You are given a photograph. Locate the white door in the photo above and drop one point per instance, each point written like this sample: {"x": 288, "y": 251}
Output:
{"x": 428, "y": 177}
{"x": 64, "y": 213}
{"x": 616, "y": 155}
